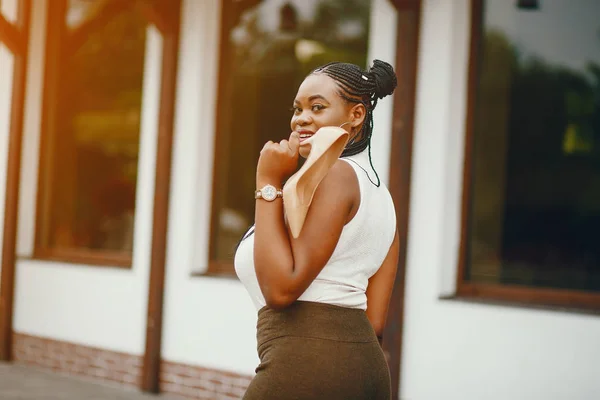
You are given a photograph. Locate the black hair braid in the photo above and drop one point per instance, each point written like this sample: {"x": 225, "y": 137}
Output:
{"x": 364, "y": 87}
{"x": 385, "y": 78}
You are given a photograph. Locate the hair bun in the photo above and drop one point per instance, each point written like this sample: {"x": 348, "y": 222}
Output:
{"x": 385, "y": 78}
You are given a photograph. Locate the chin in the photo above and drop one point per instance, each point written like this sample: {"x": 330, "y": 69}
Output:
{"x": 304, "y": 151}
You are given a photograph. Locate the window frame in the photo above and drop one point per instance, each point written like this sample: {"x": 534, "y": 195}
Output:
{"x": 41, "y": 250}
{"x": 512, "y": 294}
{"x": 17, "y": 32}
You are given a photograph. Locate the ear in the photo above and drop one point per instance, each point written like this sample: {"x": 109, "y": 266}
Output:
{"x": 357, "y": 115}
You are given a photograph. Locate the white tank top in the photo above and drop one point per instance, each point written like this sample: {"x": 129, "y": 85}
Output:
{"x": 361, "y": 249}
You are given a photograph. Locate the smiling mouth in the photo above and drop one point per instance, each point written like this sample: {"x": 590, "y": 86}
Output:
{"x": 305, "y": 135}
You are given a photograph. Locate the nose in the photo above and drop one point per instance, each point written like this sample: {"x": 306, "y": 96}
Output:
{"x": 303, "y": 119}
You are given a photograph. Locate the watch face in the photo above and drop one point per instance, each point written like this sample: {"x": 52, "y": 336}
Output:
{"x": 269, "y": 193}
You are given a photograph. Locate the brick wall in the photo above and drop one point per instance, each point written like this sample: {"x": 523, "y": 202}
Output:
{"x": 201, "y": 383}
{"x": 184, "y": 380}
{"x": 77, "y": 359}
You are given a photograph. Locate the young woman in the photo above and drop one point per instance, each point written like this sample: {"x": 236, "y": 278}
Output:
{"x": 323, "y": 297}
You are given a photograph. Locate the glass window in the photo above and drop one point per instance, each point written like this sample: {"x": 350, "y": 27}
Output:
{"x": 91, "y": 136}
{"x": 535, "y": 180}
{"x": 268, "y": 48}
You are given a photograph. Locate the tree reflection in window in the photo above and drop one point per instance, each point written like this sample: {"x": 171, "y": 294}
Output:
{"x": 535, "y": 217}
{"x": 94, "y": 128}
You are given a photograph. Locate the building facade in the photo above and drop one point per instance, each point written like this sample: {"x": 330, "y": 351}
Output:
{"x": 129, "y": 133}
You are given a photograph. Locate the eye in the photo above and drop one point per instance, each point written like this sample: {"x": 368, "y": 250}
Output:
{"x": 318, "y": 107}
{"x": 296, "y": 110}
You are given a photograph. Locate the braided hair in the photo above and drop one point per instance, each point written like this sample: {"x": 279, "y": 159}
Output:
{"x": 362, "y": 87}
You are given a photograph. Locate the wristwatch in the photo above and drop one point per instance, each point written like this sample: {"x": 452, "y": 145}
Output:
{"x": 268, "y": 193}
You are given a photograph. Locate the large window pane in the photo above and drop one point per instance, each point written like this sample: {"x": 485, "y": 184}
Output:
{"x": 269, "y": 47}
{"x": 535, "y": 193}
{"x": 93, "y": 130}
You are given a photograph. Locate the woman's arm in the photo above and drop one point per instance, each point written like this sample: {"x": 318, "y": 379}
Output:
{"x": 379, "y": 290}
{"x": 285, "y": 266}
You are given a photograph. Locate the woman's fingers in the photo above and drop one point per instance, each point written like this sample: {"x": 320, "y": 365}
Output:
{"x": 267, "y": 145}
{"x": 294, "y": 144}
{"x": 284, "y": 146}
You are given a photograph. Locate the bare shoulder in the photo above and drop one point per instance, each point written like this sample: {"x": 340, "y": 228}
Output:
{"x": 339, "y": 190}
{"x": 341, "y": 175}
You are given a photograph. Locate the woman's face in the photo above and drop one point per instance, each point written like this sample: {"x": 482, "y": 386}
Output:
{"x": 318, "y": 104}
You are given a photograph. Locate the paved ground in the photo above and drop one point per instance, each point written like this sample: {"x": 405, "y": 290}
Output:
{"x": 18, "y": 382}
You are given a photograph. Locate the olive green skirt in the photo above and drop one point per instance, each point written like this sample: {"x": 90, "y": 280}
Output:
{"x": 318, "y": 351}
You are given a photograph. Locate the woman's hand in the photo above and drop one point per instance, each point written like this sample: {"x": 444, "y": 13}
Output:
{"x": 278, "y": 161}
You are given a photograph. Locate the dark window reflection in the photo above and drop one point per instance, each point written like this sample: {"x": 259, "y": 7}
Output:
{"x": 269, "y": 48}
{"x": 535, "y": 217}
{"x": 94, "y": 125}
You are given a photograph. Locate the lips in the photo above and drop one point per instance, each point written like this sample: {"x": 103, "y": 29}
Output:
{"x": 305, "y": 134}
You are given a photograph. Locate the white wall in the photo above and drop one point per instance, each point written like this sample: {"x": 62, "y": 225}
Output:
{"x": 211, "y": 321}
{"x": 459, "y": 350}
{"x": 9, "y": 10}
{"x": 96, "y": 306}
